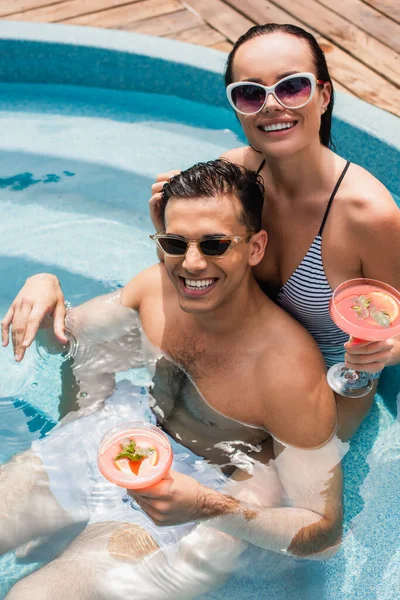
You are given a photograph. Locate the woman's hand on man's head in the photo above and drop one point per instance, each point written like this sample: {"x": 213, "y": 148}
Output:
{"x": 156, "y": 197}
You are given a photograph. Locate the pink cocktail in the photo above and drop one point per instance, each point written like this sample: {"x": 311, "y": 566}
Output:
{"x": 367, "y": 310}
{"x": 135, "y": 455}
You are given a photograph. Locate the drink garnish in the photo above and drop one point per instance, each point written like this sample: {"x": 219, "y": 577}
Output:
{"x": 380, "y": 316}
{"x": 132, "y": 452}
{"x": 360, "y": 307}
{"x": 365, "y": 307}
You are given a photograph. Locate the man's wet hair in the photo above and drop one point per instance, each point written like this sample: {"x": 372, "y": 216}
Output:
{"x": 220, "y": 178}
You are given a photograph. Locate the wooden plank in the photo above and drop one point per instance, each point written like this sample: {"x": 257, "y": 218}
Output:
{"x": 390, "y": 8}
{"x": 8, "y": 7}
{"x": 263, "y": 11}
{"x": 356, "y": 42}
{"x": 368, "y": 19}
{"x": 337, "y": 86}
{"x": 56, "y": 13}
{"x": 258, "y": 13}
{"x": 166, "y": 25}
{"x": 363, "y": 82}
{"x": 221, "y": 16}
{"x": 223, "y": 46}
{"x": 348, "y": 71}
{"x": 203, "y": 36}
{"x": 123, "y": 15}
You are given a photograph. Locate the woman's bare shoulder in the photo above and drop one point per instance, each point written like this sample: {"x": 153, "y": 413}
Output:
{"x": 245, "y": 157}
{"x": 366, "y": 199}
{"x": 361, "y": 185}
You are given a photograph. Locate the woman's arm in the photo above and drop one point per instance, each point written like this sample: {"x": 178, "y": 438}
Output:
{"x": 374, "y": 224}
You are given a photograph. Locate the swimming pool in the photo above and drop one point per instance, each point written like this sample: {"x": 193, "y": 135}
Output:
{"x": 78, "y": 155}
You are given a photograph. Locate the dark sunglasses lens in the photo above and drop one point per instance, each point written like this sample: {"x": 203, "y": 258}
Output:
{"x": 248, "y": 98}
{"x": 173, "y": 246}
{"x": 294, "y": 92}
{"x": 214, "y": 247}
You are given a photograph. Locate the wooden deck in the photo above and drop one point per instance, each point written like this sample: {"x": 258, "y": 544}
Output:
{"x": 361, "y": 38}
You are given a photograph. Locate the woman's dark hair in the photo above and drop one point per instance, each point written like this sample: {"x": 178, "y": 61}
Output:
{"x": 220, "y": 178}
{"x": 317, "y": 55}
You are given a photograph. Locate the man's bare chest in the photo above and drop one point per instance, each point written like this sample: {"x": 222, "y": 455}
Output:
{"x": 205, "y": 418}
{"x": 209, "y": 374}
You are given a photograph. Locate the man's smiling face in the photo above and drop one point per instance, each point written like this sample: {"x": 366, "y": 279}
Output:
{"x": 205, "y": 283}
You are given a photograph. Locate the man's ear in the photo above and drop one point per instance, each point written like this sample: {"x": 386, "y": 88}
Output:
{"x": 257, "y": 243}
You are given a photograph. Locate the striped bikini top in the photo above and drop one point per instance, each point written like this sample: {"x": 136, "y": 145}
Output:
{"x": 307, "y": 293}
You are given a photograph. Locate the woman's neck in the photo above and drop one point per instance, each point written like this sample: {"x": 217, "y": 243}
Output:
{"x": 300, "y": 174}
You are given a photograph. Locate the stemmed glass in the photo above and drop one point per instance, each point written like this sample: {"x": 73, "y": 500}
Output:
{"x": 134, "y": 456}
{"x": 368, "y": 310}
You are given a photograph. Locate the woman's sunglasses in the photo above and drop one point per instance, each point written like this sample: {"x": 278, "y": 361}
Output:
{"x": 215, "y": 246}
{"x": 294, "y": 91}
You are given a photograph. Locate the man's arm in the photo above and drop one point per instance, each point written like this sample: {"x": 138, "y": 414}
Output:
{"x": 300, "y": 412}
{"x": 308, "y": 525}
{"x": 307, "y": 462}
{"x": 311, "y": 527}
{"x": 106, "y": 330}
{"x": 108, "y": 341}
{"x": 40, "y": 305}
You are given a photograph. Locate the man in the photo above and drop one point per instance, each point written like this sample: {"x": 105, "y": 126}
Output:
{"x": 234, "y": 379}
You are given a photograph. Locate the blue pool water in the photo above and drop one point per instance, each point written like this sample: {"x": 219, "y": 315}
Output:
{"x": 76, "y": 167}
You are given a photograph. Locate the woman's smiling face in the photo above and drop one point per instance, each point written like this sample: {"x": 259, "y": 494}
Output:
{"x": 267, "y": 59}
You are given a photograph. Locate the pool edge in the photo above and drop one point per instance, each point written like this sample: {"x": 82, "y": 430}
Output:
{"x": 352, "y": 110}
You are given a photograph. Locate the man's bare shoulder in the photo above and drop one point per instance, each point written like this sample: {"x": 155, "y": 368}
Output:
{"x": 151, "y": 281}
{"x": 300, "y": 408}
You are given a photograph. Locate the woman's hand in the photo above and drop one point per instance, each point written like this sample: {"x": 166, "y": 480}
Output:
{"x": 39, "y": 297}
{"x": 371, "y": 357}
{"x": 155, "y": 200}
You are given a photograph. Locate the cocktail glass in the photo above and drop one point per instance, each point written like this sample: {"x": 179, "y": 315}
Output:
{"x": 368, "y": 310}
{"x": 151, "y": 451}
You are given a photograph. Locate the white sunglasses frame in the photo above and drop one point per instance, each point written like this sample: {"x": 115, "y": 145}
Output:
{"x": 271, "y": 90}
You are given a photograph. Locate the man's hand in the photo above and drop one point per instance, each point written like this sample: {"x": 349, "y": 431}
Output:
{"x": 371, "y": 357}
{"x": 155, "y": 200}
{"x": 40, "y": 296}
{"x": 178, "y": 499}
{"x": 174, "y": 500}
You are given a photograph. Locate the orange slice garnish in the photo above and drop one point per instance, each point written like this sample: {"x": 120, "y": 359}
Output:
{"x": 154, "y": 458}
{"x": 385, "y": 302}
{"x": 122, "y": 464}
{"x": 128, "y": 466}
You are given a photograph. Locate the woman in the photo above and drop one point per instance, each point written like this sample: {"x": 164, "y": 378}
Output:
{"x": 327, "y": 220}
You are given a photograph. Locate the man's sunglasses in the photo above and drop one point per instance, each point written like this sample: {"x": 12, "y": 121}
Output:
{"x": 294, "y": 91}
{"x": 214, "y": 246}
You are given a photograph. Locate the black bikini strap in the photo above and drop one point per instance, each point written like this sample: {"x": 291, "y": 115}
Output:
{"x": 260, "y": 167}
{"x": 328, "y": 208}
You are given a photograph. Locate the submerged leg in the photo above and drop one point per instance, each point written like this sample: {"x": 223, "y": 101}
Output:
{"x": 28, "y": 509}
{"x": 115, "y": 561}
{"x": 83, "y": 570}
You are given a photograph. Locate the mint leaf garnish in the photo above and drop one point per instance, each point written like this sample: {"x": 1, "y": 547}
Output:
{"x": 360, "y": 307}
{"x": 380, "y": 316}
{"x": 130, "y": 452}
{"x": 364, "y": 307}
